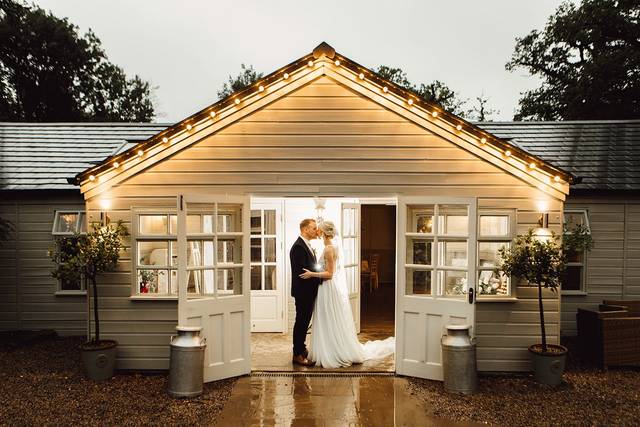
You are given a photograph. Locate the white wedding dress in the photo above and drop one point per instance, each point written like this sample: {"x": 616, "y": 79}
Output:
{"x": 334, "y": 341}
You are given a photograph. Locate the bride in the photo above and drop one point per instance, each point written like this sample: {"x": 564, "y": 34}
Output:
{"x": 334, "y": 340}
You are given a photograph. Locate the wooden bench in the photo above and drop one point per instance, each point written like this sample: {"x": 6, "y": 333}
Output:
{"x": 610, "y": 336}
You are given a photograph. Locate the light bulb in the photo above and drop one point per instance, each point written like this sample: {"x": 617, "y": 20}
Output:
{"x": 92, "y": 178}
{"x": 337, "y": 62}
{"x": 116, "y": 165}
{"x": 361, "y": 75}
{"x": 434, "y": 114}
{"x": 189, "y": 127}
{"x": 557, "y": 178}
{"x": 212, "y": 114}
{"x": 385, "y": 89}
{"x": 532, "y": 165}
{"x": 459, "y": 127}
{"x": 310, "y": 63}
{"x": 410, "y": 102}
{"x": 286, "y": 76}
{"x": 140, "y": 153}
{"x": 507, "y": 153}
{"x": 261, "y": 88}
{"x": 165, "y": 139}
{"x": 483, "y": 140}
{"x": 237, "y": 101}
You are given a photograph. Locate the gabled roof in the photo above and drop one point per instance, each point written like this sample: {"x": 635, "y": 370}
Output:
{"x": 604, "y": 154}
{"x": 45, "y": 155}
{"x": 325, "y": 61}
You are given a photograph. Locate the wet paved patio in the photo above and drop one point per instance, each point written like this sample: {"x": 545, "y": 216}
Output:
{"x": 307, "y": 400}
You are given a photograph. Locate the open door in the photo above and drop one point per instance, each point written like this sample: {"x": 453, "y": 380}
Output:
{"x": 435, "y": 279}
{"x": 267, "y": 268}
{"x": 351, "y": 252}
{"x": 214, "y": 277}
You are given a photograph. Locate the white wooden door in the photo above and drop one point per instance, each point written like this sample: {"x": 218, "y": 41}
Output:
{"x": 351, "y": 252}
{"x": 267, "y": 268}
{"x": 214, "y": 277}
{"x": 436, "y": 278}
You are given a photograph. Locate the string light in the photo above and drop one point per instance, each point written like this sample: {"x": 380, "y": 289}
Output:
{"x": 140, "y": 153}
{"x": 556, "y": 178}
{"x": 237, "y": 101}
{"x": 261, "y": 88}
{"x": 310, "y": 63}
{"x": 92, "y": 178}
{"x": 459, "y": 127}
{"x": 434, "y": 114}
{"x": 361, "y": 75}
{"x": 286, "y": 76}
{"x": 337, "y": 62}
{"x": 385, "y": 89}
{"x": 483, "y": 140}
{"x": 212, "y": 114}
{"x": 532, "y": 165}
{"x": 410, "y": 101}
{"x": 189, "y": 127}
{"x": 507, "y": 153}
{"x": 165, "y": 139}
{"x": 116, "y": 165}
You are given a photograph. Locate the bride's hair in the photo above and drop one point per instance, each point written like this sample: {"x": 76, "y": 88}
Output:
{"x": 328, "y": 228}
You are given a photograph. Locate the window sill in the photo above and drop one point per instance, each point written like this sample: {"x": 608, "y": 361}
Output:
{"x": 497, "y": 299}
{"x": 153, "y": 297}
{"x": 573, "y": 293}
{"x": 69, "y": 293}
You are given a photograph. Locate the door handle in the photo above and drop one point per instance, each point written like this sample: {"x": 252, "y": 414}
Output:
{"x": 471, "y": 295}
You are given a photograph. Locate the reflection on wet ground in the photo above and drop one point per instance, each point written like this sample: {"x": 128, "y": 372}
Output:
{"x": 325, "y": 401}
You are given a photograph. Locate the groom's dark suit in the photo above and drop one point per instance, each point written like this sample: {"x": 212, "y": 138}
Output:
{"x": 304, "y": 291}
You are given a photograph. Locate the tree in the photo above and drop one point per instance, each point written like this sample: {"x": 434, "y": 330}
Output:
{"x": 49, "y": 72}
{"x": 86, "y": 256}
{"x": 588, "y": 57}
{"x": 246, "y": 78}
{"x": 439, "y": 93}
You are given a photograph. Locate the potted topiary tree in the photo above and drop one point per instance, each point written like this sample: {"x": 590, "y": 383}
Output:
{"x": 85, "y": 257}
{"x": 540, "y": 261}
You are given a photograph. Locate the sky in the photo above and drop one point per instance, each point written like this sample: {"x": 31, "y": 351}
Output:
{"x": 188, "y": 48}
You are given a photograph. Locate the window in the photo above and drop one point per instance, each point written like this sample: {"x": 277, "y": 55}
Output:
{"x": 437, "y": 238}
{"x": 156, "y": 253}
{"x": 263, "y": 250}
{"x": 67, "y": 224}
{"x": 495, "y": 231}
{"x": 573, "y": 278}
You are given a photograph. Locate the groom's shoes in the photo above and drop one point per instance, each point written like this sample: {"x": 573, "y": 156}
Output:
{"x": 301, "y": 360}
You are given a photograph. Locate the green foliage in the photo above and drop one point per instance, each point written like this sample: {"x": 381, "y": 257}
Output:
{"x": 6, "y": 229}
{"x": 49, "y": 72}
{"x": 439, "y": 93}
{"x": 246, "y": 78}
{"x": 86, "y": 256}
{"x": 577, "y": 239}
{"x": 588, "y": 57}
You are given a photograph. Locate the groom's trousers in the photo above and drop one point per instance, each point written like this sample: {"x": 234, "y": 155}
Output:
{"x": 304, "y": 311}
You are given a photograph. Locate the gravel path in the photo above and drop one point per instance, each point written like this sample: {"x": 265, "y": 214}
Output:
{"x": 588, "y": 397}
{"x": 43, "y": 384}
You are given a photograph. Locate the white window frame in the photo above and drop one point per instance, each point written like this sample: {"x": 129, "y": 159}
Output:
{"x": 135, "y": 262}
{"x": 78, "y": 229}
{"x": 508, "y": 239}
{"x": 583, "y": 264}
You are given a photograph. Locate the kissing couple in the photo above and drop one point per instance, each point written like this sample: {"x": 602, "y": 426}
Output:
{"x": 319, "y": 287}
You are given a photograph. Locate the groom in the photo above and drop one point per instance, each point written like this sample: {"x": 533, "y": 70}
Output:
{"x": 304, "y": 291}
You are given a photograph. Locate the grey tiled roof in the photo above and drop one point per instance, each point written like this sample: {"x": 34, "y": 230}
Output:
{"x": 43, "y": 155}
{"x": 605, "y": 154}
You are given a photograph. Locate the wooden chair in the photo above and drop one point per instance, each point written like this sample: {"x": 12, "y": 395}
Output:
{"x": 610, "y": 336}
{"x": 369, "y": 272}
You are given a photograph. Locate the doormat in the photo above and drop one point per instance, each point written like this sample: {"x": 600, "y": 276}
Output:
{"x": 284, "y": 374}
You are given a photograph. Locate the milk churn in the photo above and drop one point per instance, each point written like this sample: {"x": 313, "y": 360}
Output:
{"x": 459, "y": 360}
{"x": 186, "y": 366}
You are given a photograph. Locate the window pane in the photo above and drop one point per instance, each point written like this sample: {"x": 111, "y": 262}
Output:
{"x": 256, "y": 221}
{"x": 153, "y": 281}
{"x": 153, "y": 253}
{"x": 270, "y": 249}
{"x": 494, "y": 225}
{"x": 174, "y": 253}
{"x": 230, "y": 250}
{"x": 83, "y": 222}
{"x": 199, "y": 253}
{"x": 572, "y": 278}
{"x": 270, "y": 279}
{"x": 67, "y": 222}
{"x": 452, "y": 254}
{"x": 420, "y": 219}
{"x": 193, "y": 224}
{"x": 455, "y": 282}
{"x": 256, "y": 250}
{"x": 256, "y": 278}
{"x": 229, "y": 218}
{"x": 488, "y": 255}
{"x": 71, "y": 285}
{"x": 573, "y": 219}
{"x": 173, "y": 224}
{"x": 418, "y": 282}
{"x": 490, "y": 283}
{"x": 229, "y": 281}
{"x": 575, "y": 256}
{"x": 173, "y": 276}
{"x": 270, "y": 222}
{"x": 419, "y": 251}
{"x": 453, "y": 220}
{"x": 153, "y": 224}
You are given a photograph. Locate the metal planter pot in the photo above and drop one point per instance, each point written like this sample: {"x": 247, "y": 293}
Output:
{"x": 99, "y": 360}
{"x": 548, "y": 368}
